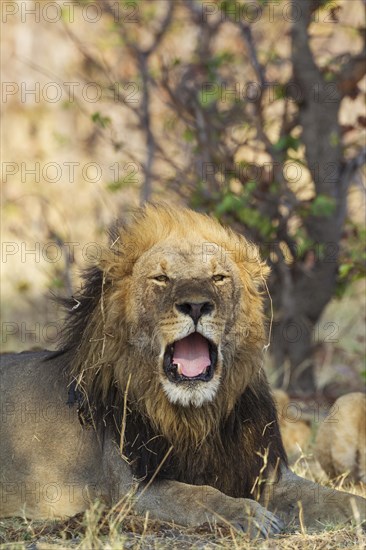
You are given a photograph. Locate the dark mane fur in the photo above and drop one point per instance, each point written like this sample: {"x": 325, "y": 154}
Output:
{"x": 80, "y": 308}
{"x": 229, "y": 460}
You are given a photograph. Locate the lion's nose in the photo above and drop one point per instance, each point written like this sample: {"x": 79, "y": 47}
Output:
{"x": 195, "y": 311}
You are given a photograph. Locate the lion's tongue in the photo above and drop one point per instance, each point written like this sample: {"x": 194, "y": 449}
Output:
{"x": 191, "y": 355}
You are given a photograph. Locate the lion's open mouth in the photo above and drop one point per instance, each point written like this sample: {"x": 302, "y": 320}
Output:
{"x": 192, "y": 358}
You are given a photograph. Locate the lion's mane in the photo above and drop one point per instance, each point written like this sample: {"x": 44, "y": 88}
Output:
{"x": 226, "y": 443}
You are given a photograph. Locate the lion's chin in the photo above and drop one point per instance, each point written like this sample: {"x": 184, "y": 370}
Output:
{"x": 191, "y": 395}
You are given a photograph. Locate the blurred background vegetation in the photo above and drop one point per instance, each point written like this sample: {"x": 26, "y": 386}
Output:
{"x": 252, "y": 111}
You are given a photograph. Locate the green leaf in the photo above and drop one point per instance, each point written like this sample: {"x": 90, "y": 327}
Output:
{"x": 66, "y": 14}
{"x": 57, "y": 282}
{"x": 208, "y": 96}
{"x": 188, "y": 135}
{"x": 253, "y": 219}
{"x": 229, "y": 6}
{"x": 323, "y": 205}
{"x": 287, "y": 142}
{"x": 334, "y": 139}
{"x": 344, "y": 270}
{"x": 324, "y": 4}
{"x": 114, "y": 186}
{"x": 280, "y": 91}
{"x": 230, "y": 203}
{"x": 219, "y": 59}
{"x": 100, "y": 120}
{"x": 303, "y": 242}
{"x": 251, "y": 186}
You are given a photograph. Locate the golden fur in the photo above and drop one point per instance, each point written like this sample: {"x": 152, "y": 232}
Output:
{"x": 295, "y": 431}
{"x": 341, "y": 439}
{"x": 100, "y": 347}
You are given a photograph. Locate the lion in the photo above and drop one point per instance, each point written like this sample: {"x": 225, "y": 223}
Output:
{"x": 340, "y": 444}
{"x": 157, "y": 396}
{"x": 295, "y": 431}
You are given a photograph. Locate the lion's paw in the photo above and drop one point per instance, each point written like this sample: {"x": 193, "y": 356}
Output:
{"x": 257, "y": 521}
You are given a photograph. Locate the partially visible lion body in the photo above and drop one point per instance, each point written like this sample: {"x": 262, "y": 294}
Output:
{"x": 159, "y": 379}
{"x": 50, "y": 466}
{"x": 341, "y": 439}
{"x": 295, "y": 432}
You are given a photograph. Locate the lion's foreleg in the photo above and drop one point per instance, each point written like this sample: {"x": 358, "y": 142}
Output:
{"x": 302, "y": 502}
{"x": 189, "y": 505}
{"x": 194, "y": 505}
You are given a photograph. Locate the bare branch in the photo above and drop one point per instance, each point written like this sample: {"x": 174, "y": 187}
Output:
{"x": 109, "y": 7}
{"x": 142, "y": 58}
{"x": 247, "y": 35}
{"x": 163, "y": 29}
{"x": 287, "y": 297}
{"x": 104, "y": 68}
{"x": 145, "y": 121}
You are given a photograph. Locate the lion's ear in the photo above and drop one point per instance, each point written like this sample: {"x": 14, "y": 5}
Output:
{"x": 253, "y": 265}
{"x": 260, "y": 272}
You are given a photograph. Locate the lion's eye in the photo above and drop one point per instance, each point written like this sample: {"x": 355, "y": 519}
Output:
{"x": 219, "y": 278}
{"x": 161, "y": 278}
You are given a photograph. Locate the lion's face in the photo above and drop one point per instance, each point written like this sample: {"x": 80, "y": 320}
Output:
{"x": 185, "y": 304}
{"x": 177, "y": 315}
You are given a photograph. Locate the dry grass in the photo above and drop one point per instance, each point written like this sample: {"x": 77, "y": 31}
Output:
{"x": 137, "y": 533}
{"x": 115, "y": 529}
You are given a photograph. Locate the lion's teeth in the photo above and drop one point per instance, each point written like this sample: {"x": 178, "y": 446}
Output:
{"x": 179, "y": 368}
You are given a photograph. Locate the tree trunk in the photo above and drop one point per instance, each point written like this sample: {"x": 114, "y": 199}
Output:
{"x": 294, "y": 330}
{"x": 311, "y": 287}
